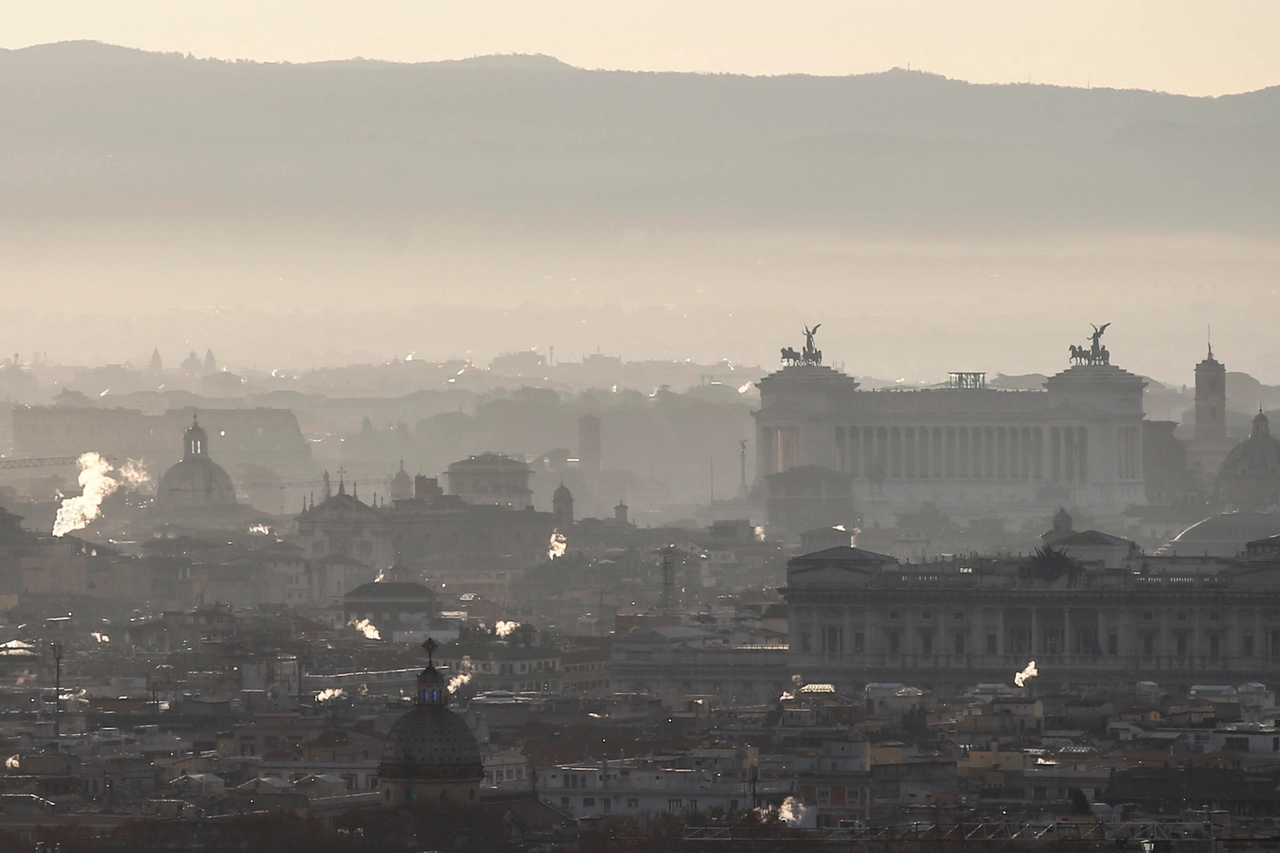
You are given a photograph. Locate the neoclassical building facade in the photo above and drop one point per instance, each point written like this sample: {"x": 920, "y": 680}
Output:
{"x": 858, "y": 617}
{"x": 966, "y": 447}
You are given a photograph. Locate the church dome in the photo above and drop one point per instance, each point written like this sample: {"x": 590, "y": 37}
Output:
{"x": 196, "y": 481}
{"x": 430, "y": 743}
{"x": 562, "y": 493}
{"x": 1250, "y": 476}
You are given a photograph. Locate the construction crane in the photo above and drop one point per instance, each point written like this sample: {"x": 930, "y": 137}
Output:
{"x": 46, "y": 462}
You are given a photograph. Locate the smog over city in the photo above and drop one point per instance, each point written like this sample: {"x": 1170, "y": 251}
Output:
{"x": 631, "y": 426}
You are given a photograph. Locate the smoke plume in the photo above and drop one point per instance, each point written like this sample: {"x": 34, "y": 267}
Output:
{"x": 1022, "y": 677}
{"x": 504, "y": 629}
{"x": 330, "y": 694}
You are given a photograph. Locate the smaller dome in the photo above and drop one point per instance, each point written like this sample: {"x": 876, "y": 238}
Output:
{"x": 561, "y": 492}
{"x": 1256, "y": 456}
{"x": 401, "y": 484}
{"x": 1250, "y": 476}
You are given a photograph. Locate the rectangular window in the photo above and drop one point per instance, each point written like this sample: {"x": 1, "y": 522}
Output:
{"x": 858, "y": 643}
{"x": 993, "y": 644}
{"x": 804, "y": 641}
{"x": 959, "y": 644}
{"x": 959, "y": 615}
{"x": 1246, "y": 643}
{"x": 895, "y": 640}
{"x": 1148, "y": 645}
{"x": 1182, "y": 645}
{"x": 588, "y": 802}
{"x": 606, "y": 805}
{"x": 832, "y": 640}
{"x": 1215, "y": 645}
{"x": 633, "y": 802}
{"x": 926, "y": 642}
{"x": 1113, "y": 644}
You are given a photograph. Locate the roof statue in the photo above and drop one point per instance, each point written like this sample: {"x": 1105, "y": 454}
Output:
{"x": 809, "y": 355}
{"x": 1094, "y": 354}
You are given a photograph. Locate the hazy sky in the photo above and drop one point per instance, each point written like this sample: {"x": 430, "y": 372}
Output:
{"x": 1187, "y": 46}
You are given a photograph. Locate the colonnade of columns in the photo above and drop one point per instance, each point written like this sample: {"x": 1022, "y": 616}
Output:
{"x": 1037, "y": 631}
{"x": 1056, "y": 453}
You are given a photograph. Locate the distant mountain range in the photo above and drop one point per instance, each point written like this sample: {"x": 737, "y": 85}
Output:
{"x": 92, "y": 129}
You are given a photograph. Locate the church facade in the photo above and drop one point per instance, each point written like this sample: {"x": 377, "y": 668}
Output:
{"x": 966, "y": 447}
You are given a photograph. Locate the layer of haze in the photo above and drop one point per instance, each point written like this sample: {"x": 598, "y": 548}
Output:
{"x": 295, "y": 215}
{"x": 1184, "y": 46}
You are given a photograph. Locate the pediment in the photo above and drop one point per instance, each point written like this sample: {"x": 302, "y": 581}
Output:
{"x": 780, "y": 412}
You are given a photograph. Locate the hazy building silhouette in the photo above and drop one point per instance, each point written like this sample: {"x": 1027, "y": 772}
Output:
{"x": 191, "y": 366}
{"x": 401, "y": 486}
{"x": 491, "y": 478}
{"x": 562, "y": 507}
{"x": 589, "y": 443}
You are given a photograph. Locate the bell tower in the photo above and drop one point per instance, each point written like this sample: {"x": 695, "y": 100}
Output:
{"x": 196, "y": 441}
{"x": 1211, "y": 399}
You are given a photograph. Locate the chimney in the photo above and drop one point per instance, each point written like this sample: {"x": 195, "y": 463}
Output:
{"x": 620, "y": 513}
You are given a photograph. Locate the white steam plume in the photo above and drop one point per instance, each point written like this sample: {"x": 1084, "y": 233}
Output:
{"x": 504, "y": 629}
{"x": 465, "y": 669}
{"x": 96, "y": 485}
{"x": 1022, "y": 677}
{"x": 330, "y": 694}
{"x": 364, "y": 626}
{"x": 99, "y": 636}
{"x": 558, "y": 544}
